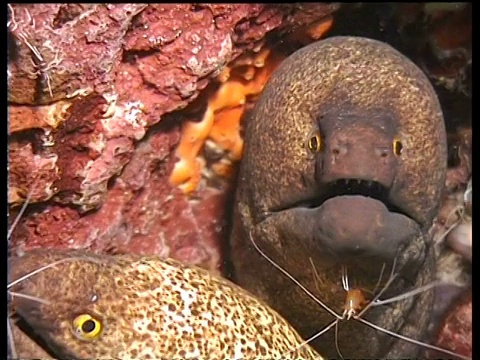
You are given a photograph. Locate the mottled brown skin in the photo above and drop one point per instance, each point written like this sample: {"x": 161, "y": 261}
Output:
{"x": 359, "y": 97}
{"x": 149, "y": 309}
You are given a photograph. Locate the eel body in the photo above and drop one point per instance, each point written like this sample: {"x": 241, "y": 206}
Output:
{"x": 343, "y": 167}
{"x": 133, "y": 307}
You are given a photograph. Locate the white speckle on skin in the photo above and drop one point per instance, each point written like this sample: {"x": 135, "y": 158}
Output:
{"x": 143, "y": 268}
{"x": 139, "y": 326}
{"x": 177, "y": 318}
{"x": 195, "y": 354}
{"x": 208, "y": 316}
{"x": 238, "y": 350}
{"x": 188, "y": 329}
{"x": 188, "y": 297}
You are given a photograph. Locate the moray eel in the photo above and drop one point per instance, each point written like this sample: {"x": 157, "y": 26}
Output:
{"x": 344, "y": 163}
{"x": 134, "y": 307}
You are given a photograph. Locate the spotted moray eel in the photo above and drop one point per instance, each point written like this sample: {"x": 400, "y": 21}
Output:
{"x": 138, "y": 307}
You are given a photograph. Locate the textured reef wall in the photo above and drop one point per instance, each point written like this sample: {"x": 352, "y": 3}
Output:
{"x": 92, "y": 89}
{"x": 125, "y": 121}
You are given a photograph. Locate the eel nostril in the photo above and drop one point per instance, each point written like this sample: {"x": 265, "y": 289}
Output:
{"x": 382, "y": 152}
{"x": 340, "y": 149}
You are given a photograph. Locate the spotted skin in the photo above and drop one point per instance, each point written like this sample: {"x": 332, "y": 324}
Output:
{"x": 149, "y": 309}
{"x": 344, "y": 163}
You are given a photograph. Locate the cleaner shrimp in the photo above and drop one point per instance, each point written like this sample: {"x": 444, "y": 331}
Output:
{"x": 356, "y": 305}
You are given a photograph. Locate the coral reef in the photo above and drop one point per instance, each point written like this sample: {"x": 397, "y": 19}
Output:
{"x": 455, "y": 333}
{"x": 93, "y": 94}
{"x": 439, "y": 37}
{"x": 442, "y": 34}
{"x": 221, "y": 120}
{"x": 116, "y": 111}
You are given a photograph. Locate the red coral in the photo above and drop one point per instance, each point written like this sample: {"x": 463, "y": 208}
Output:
{"x": 455, "y": 333}
{"x": 111, "y": 72}
{"x": 142, "y": 213}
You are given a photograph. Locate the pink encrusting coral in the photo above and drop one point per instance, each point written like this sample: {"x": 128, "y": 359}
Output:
{"x": 455, "y": 332}
{"x": 93, "y": 90}
{"x": 141, "y": 213}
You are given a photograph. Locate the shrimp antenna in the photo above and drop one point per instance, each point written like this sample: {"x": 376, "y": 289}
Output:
{"x": 408, "y": 293}
{"x": 22, "y": 209}
{"x": 314, "y": 336}
{"x": 11, "y": 340}
{"x": 284, "y": 272}
{"x": 392, "y": 277}
{"x": 413, "y": 341}
{"x": 45, "y": 267}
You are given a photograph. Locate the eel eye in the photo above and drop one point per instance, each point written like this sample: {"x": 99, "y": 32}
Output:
{"x": 315, "y": 143}
{"x": 397, "y": 147}
{"x": 86, "y": 327}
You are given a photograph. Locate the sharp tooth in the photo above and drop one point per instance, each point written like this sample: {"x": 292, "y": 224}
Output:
{"x": 359, "y": 181}
{"x": 346, "y": 181}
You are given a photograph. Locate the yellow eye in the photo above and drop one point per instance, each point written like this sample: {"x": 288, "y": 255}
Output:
{"x": 85, "y": 327}
{"x": 397, "y": 147}
{"x": 315, "y": 143}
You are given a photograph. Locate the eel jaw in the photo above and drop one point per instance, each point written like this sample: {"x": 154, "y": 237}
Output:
{"x": 368, "y": 188}
{"x": 348, "y": 219}
{"x": 31, "y": 321}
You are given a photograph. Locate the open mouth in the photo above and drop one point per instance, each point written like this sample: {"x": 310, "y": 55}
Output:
{"x": 371, "y": 189}
{"x": 342, "y": 187}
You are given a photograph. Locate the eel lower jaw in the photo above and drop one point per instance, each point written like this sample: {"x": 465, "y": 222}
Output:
{"x": 30, "y": 320}
{"x": 350, "y": 218}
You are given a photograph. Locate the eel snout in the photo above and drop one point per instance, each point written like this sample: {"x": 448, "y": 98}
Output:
{"x": 355, "y": 176}
{"x": 358, "y": 151}
{"x": 354, "y": 219}
{"x": 352, "y": 208}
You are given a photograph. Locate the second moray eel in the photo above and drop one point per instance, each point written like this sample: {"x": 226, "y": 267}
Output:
{"x": 344, "y": 163}
{"x": 134, "y": 307}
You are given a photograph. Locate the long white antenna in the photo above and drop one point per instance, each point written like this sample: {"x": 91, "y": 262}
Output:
{"x": 413, "y": 341}
{"x": 284, "y": 272}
